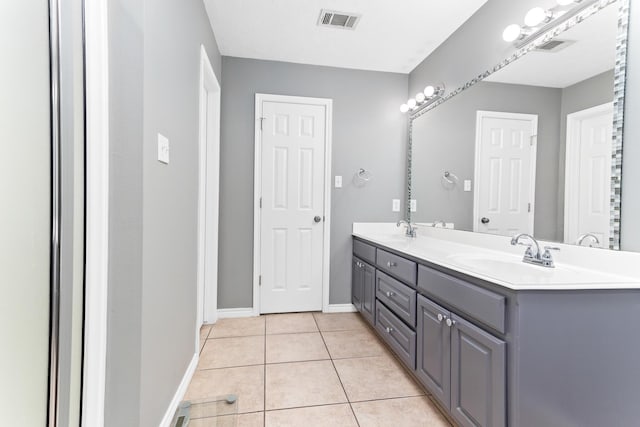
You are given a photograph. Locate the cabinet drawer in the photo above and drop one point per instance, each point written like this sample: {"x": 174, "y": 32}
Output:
{"x": 364, "y": 251}
{"x": 399, "y": 267}
{"x": 400, "y": 298}
{"x": 398, "y": 335}
{"x": 481, "y": 304}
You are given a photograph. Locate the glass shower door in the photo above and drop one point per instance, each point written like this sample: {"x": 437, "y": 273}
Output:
{"x": 25, "y": 212}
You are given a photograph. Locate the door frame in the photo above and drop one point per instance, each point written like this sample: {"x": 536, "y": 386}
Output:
{"x": 257, "y": 178}
{"x": 572, "y": 162}
{"x": 208, "y": 194}
{"x": 482, "y": 114}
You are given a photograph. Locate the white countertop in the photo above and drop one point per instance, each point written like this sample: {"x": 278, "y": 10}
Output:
{"x": 492, "y": 258}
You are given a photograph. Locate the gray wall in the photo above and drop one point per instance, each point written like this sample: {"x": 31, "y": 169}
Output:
{"x": 444, "y": 139}
{"x": 630, "y": 233}
{"x": 368, "y": 132}
{"x": 154, "y": 72}
{"x": 478, "y": 46}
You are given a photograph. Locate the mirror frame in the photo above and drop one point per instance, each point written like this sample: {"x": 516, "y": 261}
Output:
{"x": 618, "y": 102}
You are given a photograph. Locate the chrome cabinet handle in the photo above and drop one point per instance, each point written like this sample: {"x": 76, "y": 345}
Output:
{"x": 450, "y": 322}
{"x": 440, "y": 317}
{"x": 389, "y": 329}
{"x": 390, "y": 294}
{"x": 391, "y": 264}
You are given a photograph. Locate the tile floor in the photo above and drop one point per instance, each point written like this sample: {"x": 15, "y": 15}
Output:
{"x": 308, "y": 369}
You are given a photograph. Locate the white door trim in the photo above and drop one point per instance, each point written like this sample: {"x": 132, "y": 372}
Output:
{"x": 257, "y": 174}
{"x": 97, "y": 212}
{"x": 208, "y": 194}
{"x": 480, "y": 114}
{"x": 572, "y": 162}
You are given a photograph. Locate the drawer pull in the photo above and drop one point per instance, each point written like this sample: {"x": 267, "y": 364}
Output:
{"x": 391, "y": 264}
{"x": 389, "y": 329}
{"x": 390, "y": 294}
{"x": 440, "y": 317}
{"x": 451, "y": 323}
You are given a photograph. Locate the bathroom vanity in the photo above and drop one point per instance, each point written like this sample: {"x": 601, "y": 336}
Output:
{"x": 499, "y": 342}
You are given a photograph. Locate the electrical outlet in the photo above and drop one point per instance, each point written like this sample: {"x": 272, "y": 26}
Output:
{"x": 338, "y": 182}
{"x": 467, "y": 185}
{"x": 414, "y": 205}
{"x": 395, "y": 205}
{"x": 163, "y": 149}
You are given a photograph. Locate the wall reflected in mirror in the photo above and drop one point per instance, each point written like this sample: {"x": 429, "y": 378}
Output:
{"x": 528, "y": 149}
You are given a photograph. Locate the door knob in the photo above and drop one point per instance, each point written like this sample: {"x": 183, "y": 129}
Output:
{"x": 317, "y": 218}
{"x": 485, "y": 220}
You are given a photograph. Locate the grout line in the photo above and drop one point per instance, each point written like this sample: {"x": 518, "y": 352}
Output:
{"x": 337, "y": 374}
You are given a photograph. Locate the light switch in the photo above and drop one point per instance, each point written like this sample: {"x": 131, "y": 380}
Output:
{"x": 163, "y": 149}
{"x": 467, "y": 185}
{"x": 395, "y": 205}
{"x": 338, "y": 183}
{"x": 414, "y": 205}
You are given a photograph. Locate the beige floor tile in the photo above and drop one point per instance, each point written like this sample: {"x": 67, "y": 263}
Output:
{"x": 295, "y": 347}
{"x": 373, "y": 378}
{"x": 242, "y": 327}
{"x": 229, "y": 352}
{"x": 291, "y": 385}
{"x": 406, "y": 412}
{"x": 254, "y": 419}
{"x": 315, "y": 416}
{"x": 204, "y": 333}
{"x": 358, "y": 343}
{"x": 290, "y": 323}
{"x": 245, "y": 382}
{"x": 339, "y": 321}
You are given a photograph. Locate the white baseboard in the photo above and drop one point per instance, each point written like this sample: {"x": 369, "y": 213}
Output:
{"x": 340, "y": 308}
{"x": 180, "y": 392}
{"x": 226, "y": 313}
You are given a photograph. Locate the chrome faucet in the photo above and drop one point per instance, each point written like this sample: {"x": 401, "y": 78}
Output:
{"x": 583, "y": 237}
{"x": 436, "y": 223}
{"x": 411, "y": 229}
{"x": 532, "y": 256}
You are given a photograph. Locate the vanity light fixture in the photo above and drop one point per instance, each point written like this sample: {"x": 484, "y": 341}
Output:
{"x": 537, "y": 19}
{"x": 424, "y": 98}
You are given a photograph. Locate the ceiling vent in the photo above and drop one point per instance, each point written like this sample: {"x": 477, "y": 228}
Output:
{"x": 334, "y": 19}
{"x": 553, "y": 46}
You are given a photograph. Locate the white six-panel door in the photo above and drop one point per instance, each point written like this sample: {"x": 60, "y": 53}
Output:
{"x": 292, "y": 226}
{"x": 505, "y": 172}
{"x": 588, "y": 173}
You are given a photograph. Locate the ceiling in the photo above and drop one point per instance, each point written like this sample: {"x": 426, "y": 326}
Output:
{"x": 592, "y": 52}
{"x": 391, "y": 35}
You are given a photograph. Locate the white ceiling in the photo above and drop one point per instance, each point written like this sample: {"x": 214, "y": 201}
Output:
{"x": 391, "y": 35}
{"x": 593, "y": 52}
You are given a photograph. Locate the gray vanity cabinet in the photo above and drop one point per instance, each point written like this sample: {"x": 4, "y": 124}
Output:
{"x": 363, "y": 289}
{"x": 478, "y": 370}
{"x": 433, "y": 367}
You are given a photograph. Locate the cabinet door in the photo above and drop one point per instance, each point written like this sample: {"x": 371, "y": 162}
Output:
{"x": 368, "y": 293}
{"x": 433, "y": 367}
{"x": 478, "y": 371}
{"x": 356, "y": 283}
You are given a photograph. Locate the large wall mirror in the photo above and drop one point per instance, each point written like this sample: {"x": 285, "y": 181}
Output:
{"x": 533, "y": 146}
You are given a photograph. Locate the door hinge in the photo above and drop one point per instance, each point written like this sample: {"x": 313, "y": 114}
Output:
{"x": 260, "y": 202}
{"x": 529, "y": 207}
{"x": 261, "y": 122}
{"x": 260, "y": 280}
{"x": 532, "y": 139}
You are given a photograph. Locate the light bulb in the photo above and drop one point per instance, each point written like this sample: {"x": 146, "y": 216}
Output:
{"x": 404, "y": 108}
{"x": 420, "y": 97}
{"x": 412, "y": 103}
{"x": 537, "y": 16}
{"x": 511, "y": 33}
{"x": 429, "y": 91}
